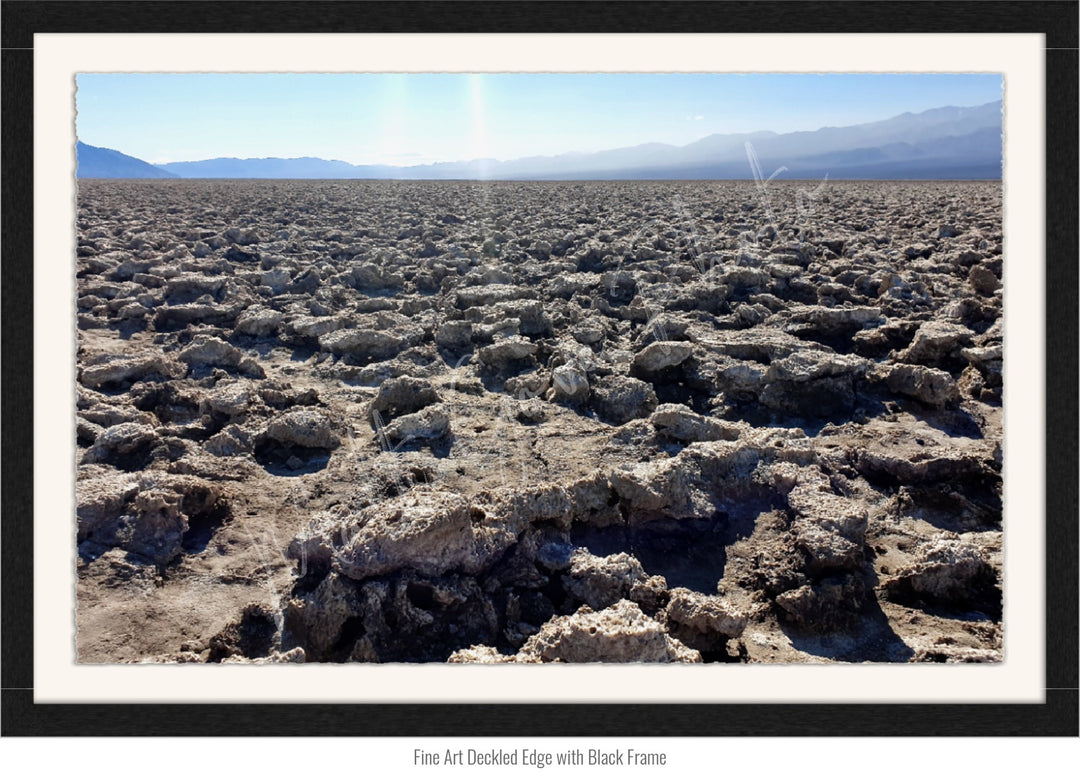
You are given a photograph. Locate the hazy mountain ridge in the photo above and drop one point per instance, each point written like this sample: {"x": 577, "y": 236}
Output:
{"x": 95, "y": 162}
{"x": 947, "y": 142}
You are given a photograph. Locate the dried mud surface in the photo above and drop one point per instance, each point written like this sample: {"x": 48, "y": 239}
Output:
{"x": 533, "y": 422}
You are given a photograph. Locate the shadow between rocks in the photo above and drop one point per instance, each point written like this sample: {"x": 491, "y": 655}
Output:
{"x": 440, "y": 448}
{"x": 957, "y": 422}
{"x": 872, "y": 640}
{"x": 290, "y": 460}
{"x": 688, "y": 553}
{"x": 203, "y": 526}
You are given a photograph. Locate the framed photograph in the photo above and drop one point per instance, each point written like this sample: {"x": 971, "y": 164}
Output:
{"x": 628, "y": 369}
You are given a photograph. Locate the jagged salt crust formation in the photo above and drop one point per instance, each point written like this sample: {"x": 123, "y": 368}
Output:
{"x": 539, "y": 422}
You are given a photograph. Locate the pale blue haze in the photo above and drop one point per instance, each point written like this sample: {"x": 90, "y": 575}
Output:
{"x": 406, "y": 119}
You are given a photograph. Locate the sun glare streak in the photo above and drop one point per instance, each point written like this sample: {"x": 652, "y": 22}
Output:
{"x": 479, "y": 149}
{"x": 393, "y": 120}
{"x": 478, "y": 146}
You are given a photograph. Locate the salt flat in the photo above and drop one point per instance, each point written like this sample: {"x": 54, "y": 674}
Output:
{"x": 531, "y": 422}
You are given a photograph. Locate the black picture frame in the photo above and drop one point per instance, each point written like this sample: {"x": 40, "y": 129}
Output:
{"x": 1056, "y": 716}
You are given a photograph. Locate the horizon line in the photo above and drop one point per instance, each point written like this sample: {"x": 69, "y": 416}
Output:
{"x": 541, "y": 180}
{"x": 543, "y": 156}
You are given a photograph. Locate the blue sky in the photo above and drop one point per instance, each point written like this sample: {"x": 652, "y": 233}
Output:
{"x": 403, "y": 119}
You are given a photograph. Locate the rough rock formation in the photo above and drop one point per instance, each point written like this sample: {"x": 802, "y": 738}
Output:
{"x": 527, "y": 423}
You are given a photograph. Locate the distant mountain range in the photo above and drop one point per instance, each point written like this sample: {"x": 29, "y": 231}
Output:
{"x": 94, "y": 162}
{"x": 945, "y": 142}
